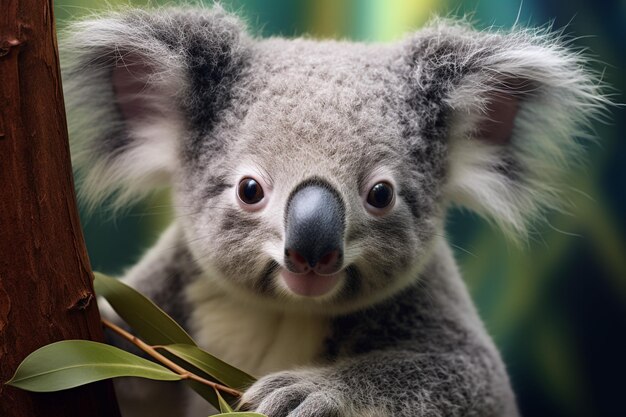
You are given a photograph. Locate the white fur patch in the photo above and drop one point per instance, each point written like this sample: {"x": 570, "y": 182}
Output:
{"x": 258, "y": 341}
{"x": 144, "y": 166}
{"x": 475, "y": 183}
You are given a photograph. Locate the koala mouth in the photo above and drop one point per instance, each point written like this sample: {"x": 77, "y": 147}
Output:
{"x": 310, "y": 284}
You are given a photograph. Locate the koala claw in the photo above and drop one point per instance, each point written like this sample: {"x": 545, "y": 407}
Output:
{"x": 289, "y": 394}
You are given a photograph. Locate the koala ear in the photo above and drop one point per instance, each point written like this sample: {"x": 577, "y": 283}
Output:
{"x": 131, "y": 82}
{"x": 512, "y": 108}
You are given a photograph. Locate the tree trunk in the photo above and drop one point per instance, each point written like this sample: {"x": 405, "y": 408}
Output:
{"x": 46, "y": 288}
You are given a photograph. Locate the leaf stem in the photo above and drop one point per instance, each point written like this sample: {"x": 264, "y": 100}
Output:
{"x": 150, "y": 350}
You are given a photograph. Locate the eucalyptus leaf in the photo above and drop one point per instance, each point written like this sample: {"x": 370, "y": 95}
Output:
{"x": 152, "y": 324}
{"x": 70, "y": 363}
{"x": 155, "y": 327}
{"x": 224, "y": 406}
{"x": 221, "y": 371}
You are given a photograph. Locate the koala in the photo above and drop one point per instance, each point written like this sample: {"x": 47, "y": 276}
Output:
{"x": 310, "y": 181}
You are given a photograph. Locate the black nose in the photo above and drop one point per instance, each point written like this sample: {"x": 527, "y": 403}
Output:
{"x": 314, "y": 230}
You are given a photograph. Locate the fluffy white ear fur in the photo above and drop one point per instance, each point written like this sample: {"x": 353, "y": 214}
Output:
{"x": 121, "y": 87}
{"x": 516, "y": 124}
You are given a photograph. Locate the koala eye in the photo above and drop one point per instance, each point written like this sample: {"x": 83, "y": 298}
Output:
{"x": 250, "y": 191}
{"x": 380, "y": 195}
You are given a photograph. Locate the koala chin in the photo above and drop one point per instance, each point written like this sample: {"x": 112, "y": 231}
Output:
{"x": 310, "y": 181}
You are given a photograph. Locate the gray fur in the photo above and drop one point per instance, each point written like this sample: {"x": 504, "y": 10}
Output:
{"x": 422, "y": 352}
{"x": 400, "y": 334}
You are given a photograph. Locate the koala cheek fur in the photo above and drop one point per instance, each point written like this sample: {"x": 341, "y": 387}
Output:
{"x": 185, "y": 98}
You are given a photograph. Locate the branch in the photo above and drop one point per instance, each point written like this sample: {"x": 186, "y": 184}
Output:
{"x": 150, "y": 350}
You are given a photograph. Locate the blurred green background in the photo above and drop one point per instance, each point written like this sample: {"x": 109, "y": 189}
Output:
{"x": 556, "y": 307}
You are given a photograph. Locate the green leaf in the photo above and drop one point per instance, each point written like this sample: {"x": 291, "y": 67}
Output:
{"x": 224, "y": 406}
{"x": 153, "y": 325}
{"x": 70, "y": 363}
{"x": 221, "y": 371}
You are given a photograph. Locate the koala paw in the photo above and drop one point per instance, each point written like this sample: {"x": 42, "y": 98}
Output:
{"x": 293, "y": 394}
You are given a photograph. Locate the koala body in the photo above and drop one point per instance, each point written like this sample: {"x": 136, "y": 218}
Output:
{"x": 310, "y": 181}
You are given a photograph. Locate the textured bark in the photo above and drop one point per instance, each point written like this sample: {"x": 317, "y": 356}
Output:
{"x": 46, "y": 287}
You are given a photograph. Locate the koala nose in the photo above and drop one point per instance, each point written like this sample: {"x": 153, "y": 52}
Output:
{"x": 314, "y": 230}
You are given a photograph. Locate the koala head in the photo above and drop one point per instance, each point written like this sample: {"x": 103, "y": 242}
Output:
{"x": 316, "y": 174}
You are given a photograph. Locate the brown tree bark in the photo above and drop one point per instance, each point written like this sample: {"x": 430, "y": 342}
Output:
{"x": 46, "y": 283}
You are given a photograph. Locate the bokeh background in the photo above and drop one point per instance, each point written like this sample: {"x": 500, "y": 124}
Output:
{"x": 557, "y": 306}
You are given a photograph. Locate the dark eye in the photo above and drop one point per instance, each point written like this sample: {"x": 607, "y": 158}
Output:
{"x": 381, "y": 195}
{"x": 250, "y": 191}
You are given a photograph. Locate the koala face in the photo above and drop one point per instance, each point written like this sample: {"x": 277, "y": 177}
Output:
{"x": 313, "y": 199}
{"x": 315, "y": 175}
